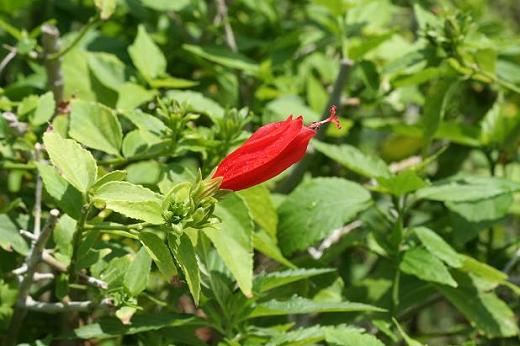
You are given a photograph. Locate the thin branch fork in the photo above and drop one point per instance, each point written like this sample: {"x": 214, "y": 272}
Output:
{"x": 229, "y": 35}
{"x": 30, "y": 263}
{"x": 8, "y": 58}
{"x": 60, "y": 307}
{"x": 61, "y": 267}
{"x": 38, "y": 196}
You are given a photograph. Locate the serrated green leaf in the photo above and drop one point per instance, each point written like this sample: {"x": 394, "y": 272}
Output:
{"x": 44, "y": 109}
{"x": 438, "y": 246}
{"x": 468, "y": 189}
{"x": 76, "y": 75}
{"x": 107, "y": 68}
{"x": 422, "y": 264}
{"x": 95, "y": 126}
{"x": 482, "y": 270}
{"x": 67, "y": 197}
{"x": 299, "y": 305}
{"x": 115, "y": 271}
{"x": 492, "y": 208}
{"x": 353, "y": 159}
{"x": 402, "y": 183}
{"x": 136, "y": 277}
{"x": 62, "y": 236}
{"x": 159, "y": 253}
{"x": 316, "y": 208}
{"x": 233, "y": 239}
{"x": 133, "y": 95}
{"x": 10, "y": 237}
{"x": 146, "y": 56}
{"x": 144, "y": 172}
{"x": 146, "y": 122}
{"x": 484, "y": 310}
{"x": 74, "y": 163}
{"x": 131, "y": 200}
{"x": 261, "y": 208}
{"x": 117, "y": 175}
{"x": 184, "y": 254}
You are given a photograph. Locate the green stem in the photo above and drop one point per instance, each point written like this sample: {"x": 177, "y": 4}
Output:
{"x": 108, "y": 227}
{"x": 118, "y": 161}
{"x": 395, "y": 289}
{"x": 127, "y": 234}
{"x": 91, "y": 23}
{"x": 397, "y": 239}
{"x": 76, "y": 241}
{"x": 17, "y": 166}
{"x": 490, "y": 232}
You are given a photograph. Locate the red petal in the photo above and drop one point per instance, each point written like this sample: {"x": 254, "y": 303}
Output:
{"x": 291, "y": 154}
{"x": 256, "y": 153}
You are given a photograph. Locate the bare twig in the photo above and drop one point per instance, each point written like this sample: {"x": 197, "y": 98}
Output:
{"x": 61, "y": 267}
{"x": 10, "y": 56}
{"x": 396, "y": 167}
{"x": 27, "y": 235}
{"x": 333, "y": 238}
{"x": 38, "y": 194}
{"x": 297, "y": 172}
{"x": 31, "y": 261}
{"x": 229, "y": 35}
{"x": 17, "y": 126}
{"x": 92, "y": 281}
{"x": 43, "y": 276}
{"x": 20, "y": 270}
{"x": 60, "y": 307}
{"x": 53, "y": 262}
{"x": 51, "y": 47}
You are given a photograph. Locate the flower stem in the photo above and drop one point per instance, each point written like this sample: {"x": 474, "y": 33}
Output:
{"x": 76, "y": 241}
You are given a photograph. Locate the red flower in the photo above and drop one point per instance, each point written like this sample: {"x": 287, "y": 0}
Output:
{"x": 268, "y": 152}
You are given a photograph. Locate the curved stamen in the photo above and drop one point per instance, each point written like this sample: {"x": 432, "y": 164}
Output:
{"x": 333, "y": 118}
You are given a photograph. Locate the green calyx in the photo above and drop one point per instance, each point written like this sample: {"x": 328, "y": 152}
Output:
{"x": 190, "y": 205}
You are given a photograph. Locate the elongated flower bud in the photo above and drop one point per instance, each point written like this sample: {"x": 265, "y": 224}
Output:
{"x": 268, "y": 152}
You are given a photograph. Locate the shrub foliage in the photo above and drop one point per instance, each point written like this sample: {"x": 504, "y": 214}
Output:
{"x": 399, "y": 228}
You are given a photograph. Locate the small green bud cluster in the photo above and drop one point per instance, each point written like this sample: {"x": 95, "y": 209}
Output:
{"x": 190, "y": 205}
{"x": 231, "y": 125}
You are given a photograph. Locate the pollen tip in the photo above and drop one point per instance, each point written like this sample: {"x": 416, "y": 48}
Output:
{"x": 333, "y": 118}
